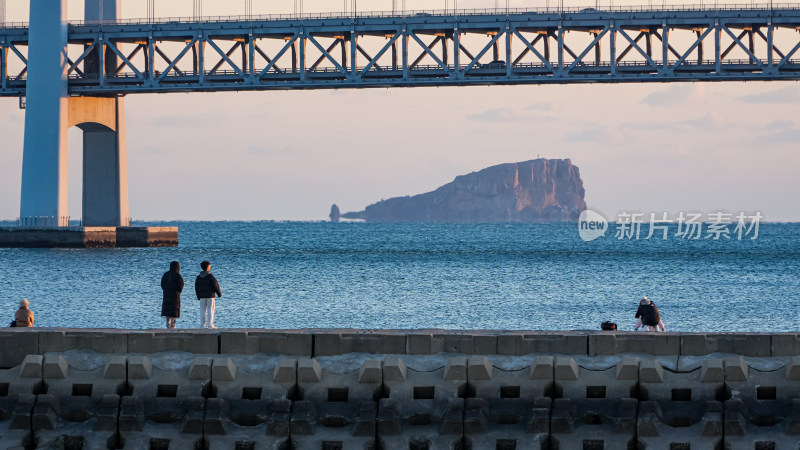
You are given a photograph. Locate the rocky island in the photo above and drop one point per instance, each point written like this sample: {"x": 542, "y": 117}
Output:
{"x": 540, "y": 190}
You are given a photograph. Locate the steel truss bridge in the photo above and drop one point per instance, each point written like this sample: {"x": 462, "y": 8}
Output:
{"x": 470, "y": 47}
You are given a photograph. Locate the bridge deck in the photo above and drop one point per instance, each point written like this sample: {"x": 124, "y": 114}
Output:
{"x": 478, "y": 47}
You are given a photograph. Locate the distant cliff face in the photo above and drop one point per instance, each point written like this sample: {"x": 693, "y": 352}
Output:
{"x": 542, "y": 190}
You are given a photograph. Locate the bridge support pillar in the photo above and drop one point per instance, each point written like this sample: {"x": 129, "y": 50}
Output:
{"x": 44, "y": 162}
{"x": 105, "y": 162}
{"x": 102, "y": 9}
{"x": 50, "y": 112}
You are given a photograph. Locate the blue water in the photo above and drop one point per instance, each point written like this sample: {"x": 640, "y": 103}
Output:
{"x": 479, "y": 276}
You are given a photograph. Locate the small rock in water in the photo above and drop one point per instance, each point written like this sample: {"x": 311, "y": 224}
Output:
{"x": 335, "y": 214}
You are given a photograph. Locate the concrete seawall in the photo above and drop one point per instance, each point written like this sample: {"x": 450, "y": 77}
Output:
{"x": 384, "y": 389}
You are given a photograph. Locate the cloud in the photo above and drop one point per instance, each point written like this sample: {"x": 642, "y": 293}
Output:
{"x": 674, "y": 95}
{"x": 188, "y": 120}
{"x": 706, "y": 122}
{"x": 542, "y": 106}
{"x": 649, "y": 126}
{"x": 497, "y": 115}
{"x": 787, "y": 135}
{"x": 530, "y": 113}
{"x": 785, "y": 95}
{"x": 779, "y": 125}
{"x": 590, "y": 135}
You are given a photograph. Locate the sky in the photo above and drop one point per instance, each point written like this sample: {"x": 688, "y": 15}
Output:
{"x": 289, "y": 155}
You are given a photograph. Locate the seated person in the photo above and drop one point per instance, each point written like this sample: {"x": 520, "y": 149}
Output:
{"x": 23, "y": 316}
{"x": 649, "y": 316}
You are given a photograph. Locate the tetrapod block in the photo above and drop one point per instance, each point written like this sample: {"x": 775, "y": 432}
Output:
{"x": 509, "y": 407}
{"x": 423, "y": 404}
{"x": 595, "y": 405}
{"x": 761, "y": 411}
{"x": 681, "y": 408}
{"x": 18, "y": 387}
{"x": 336, "y": 405}
{"x": 252, "y": 405}
{"x": 86, "y": 388}
{"x": 165, "y": 405}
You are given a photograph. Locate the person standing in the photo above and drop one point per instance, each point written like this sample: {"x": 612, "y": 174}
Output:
{"x": 172, "y": 285}
{"x": 207, "y": 289}
{"x": 23, "y": 316}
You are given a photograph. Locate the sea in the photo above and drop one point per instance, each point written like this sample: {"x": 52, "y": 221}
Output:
{"x": 288, "y": 275}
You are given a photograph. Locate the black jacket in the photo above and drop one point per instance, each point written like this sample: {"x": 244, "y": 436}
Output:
{"x": 649, "y": 314}
{"x": 172, "y": 285}
{"x": 206, "y": 286}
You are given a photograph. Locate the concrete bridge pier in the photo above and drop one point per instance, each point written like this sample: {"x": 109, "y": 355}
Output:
{"x": 44, "y": 160}
{"x": 51, "y": 112}
{"x": 105, "y": 166}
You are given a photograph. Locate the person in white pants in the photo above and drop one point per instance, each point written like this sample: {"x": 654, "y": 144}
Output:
{"x": 207, "y": 289}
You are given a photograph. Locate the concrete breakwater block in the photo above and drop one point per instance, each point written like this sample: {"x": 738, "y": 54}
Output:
{"x": 283, "y": 342}
{"x": 327, "y": 343}
{"x": 681, "y": 407}
{"x": 88, "y": 237}
{"x": 427, "y": 342}
{"x": 595, "y": 403}
{"x": 656, "y": 344}
{"x": 198, "y": 342}
{"x": 90, "y": 400}
{"x": 335, "y": 406}
{"x": 745, "y": 344}
{"x": 165, "y": 401}
{"x": 17, "y": 344}
{"x": 55, "y": 340}
{"x": 183, "y": 390}
{"x": 17, "y": 399}
{"x": 251, "y": 404}
{"x": 322, "y": 343}
{"x": 423, "y": 408}
{"x": 508, "y": 408}
{"x": 762, "y": 406}
{"x": 81, "y": 403}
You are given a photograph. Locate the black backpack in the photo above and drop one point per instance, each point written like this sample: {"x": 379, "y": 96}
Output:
{"x": 608, "y": 326}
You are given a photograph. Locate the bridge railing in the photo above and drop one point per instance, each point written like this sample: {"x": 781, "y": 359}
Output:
{"x": 43, "y": 221}
{"x": 552, "y": 9}
{"x": 218, "y": 74}
{"x": 656, "y": 6}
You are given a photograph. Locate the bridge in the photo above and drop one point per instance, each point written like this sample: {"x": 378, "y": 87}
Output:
{"x": 77, "y": 73}
{"x": 420, "y": 48}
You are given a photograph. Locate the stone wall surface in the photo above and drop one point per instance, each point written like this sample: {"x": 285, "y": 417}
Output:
{"x": 379, "y": 389}
{"x": 21, "y": 342}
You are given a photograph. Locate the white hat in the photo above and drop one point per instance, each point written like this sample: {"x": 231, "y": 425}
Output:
{"x": 24, "y": 302}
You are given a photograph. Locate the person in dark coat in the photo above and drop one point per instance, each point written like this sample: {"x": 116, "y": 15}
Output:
{"x": 172, "y": 285}
{"x": 207, "y": 289}
{"x": 648, "y": 316}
